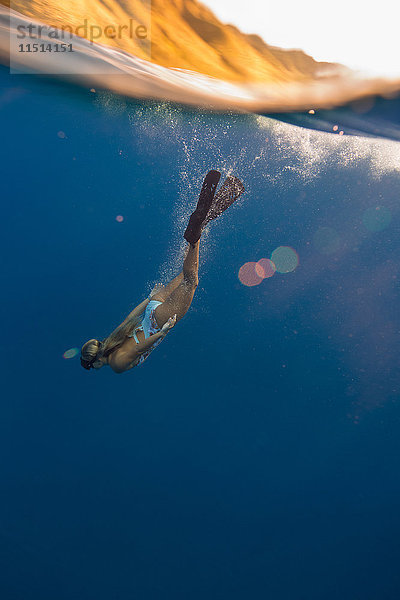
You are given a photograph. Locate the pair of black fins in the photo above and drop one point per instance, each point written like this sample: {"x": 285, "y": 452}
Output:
{"x": 211, "y": 204}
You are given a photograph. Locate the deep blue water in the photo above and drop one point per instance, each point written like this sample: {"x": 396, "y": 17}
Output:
{"x": 256, "y": 453}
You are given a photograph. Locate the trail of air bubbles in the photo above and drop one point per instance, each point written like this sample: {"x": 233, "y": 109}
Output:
{"x": 307, "y": 153}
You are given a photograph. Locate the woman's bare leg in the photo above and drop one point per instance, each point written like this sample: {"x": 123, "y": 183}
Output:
{"x": 165, "y": 290}
{"x": 180, "y": 299}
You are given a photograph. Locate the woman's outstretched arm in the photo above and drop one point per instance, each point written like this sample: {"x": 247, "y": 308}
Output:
{"x": 121, "y": 332}
{"x": 136, "y": 311}
{"x": 124, "y": 359}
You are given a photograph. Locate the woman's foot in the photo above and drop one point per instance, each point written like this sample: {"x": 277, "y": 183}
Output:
{"x": 193, "y": 230}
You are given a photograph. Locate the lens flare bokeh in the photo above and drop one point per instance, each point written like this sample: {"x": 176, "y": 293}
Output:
{"x": 267, "y": 266}
{"x": 285, "y": 259}
{"x": 250, "y": 274}
{"x": 71, "y": 353}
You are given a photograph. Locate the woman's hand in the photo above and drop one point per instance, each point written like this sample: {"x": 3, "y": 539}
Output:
{"x": 168, "y": 325}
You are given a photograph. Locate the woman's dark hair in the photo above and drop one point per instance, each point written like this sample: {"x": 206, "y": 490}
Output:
{"x": 89, "y": 353}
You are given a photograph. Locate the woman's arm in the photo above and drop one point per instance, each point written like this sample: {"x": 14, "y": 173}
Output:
{"x": 122, "y": 331}
{"x": 144, "y": 346}
{"x": 123, "y": 359}
{"x": 136, "y": 311}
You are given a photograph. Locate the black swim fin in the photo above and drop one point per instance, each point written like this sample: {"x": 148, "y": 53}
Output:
{"x": 195, "y": 225}
{"x": 229, "y": 192}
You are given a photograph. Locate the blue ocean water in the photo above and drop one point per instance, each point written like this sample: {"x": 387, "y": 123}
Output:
{"x": 255, "y": 454}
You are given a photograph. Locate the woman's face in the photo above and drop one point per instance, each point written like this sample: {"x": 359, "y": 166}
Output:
{"x": 99, "y": 363}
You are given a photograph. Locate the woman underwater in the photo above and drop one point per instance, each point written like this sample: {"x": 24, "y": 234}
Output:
{"x": 145, "y": 327}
